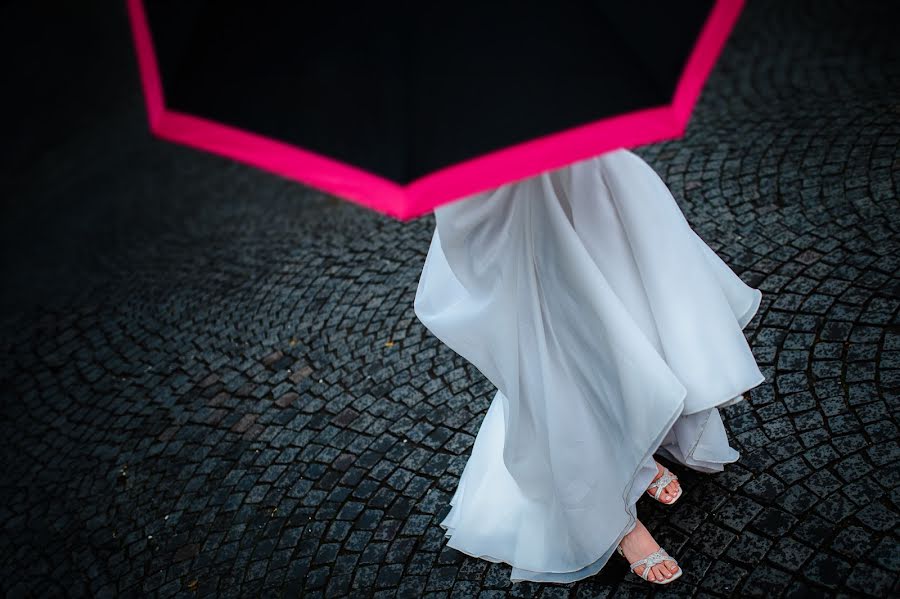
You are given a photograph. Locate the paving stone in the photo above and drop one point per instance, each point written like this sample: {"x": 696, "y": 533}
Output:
{"x": 738, "y": 512}
{"x": 853, "y": 542}
{"x": 821, "y": 456}
{"x": 749, "y": 548}
{"x": 827, "y": 570}
{"x": 774, "y": 522}
{"x": 813, "y": 530}
{"x": 797, "y": 500}
{"x": 792, "y": 470}
{"x": 887, "y": 554}
{"x": 823, "y": 483}
{"x": 871, "y": 581}
{"x": 711, "y": 539}
{"x": 764, "y": 487}
{"x": 765, "y": 581}
{"x": 836, "y": 508}
{"x": 789, "y": 553}
{"x": 723, "y": 577}
{"x": 877, "y": 516}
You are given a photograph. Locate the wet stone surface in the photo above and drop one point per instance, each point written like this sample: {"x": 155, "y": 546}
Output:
{"x": 214, "y": 383}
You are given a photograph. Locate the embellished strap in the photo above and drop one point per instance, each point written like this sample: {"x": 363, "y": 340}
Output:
{"x": 657, "y": 557}
{"x": 661, "y": 482}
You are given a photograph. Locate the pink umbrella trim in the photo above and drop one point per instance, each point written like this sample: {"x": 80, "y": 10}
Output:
{"x": 405, "y": 202}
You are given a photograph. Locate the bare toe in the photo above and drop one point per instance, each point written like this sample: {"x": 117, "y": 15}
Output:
{"x": 639, "y": 543}
{"x": 670, "y": 491}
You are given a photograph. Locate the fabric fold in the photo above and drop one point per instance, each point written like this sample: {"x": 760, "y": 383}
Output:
{"x": 611, "y": 331}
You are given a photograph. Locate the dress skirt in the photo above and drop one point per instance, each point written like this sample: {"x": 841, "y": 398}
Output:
{"x": 611, "y": 332}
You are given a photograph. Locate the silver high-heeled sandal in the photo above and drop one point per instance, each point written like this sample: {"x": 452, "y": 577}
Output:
{"x": 661, "y": 483}
{"x": 657, "y": 557}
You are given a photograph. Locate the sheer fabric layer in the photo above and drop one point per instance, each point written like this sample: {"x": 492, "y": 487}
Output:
{"x": 611, "y": 331}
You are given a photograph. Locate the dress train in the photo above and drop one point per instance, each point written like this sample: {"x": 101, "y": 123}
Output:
{"x": 611, "y": 331}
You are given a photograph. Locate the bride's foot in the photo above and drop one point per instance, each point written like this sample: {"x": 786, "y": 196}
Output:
{"x": 638, "y": 545}
{"x": 671, "y": 488}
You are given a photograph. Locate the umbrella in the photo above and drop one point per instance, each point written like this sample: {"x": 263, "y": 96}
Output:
{"x": 403, "y": 107}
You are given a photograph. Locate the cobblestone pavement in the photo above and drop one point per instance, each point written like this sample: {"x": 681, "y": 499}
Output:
{"x": 214, "y": 383}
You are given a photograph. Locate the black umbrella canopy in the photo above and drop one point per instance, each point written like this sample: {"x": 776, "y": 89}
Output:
{"x": 403, "y": 89}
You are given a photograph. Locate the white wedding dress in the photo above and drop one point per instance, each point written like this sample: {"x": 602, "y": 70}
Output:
{"x": 611, "y": 331}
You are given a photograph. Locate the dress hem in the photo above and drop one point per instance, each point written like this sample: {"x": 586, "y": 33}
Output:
{"x": 595, "y": 566}
{"x": 628, "y": 527}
